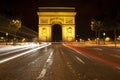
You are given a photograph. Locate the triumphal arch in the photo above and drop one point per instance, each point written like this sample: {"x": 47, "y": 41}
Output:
{"x": 56, "y": 24}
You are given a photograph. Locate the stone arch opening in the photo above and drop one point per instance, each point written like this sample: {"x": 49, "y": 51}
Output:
{"x": 56, "y": 33}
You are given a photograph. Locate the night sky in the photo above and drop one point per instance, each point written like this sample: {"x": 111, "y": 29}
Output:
{"x": 86, "y": 9}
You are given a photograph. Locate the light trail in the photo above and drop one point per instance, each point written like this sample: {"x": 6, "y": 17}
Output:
{"x": 29, "y": 45}
{"x": 23, "y": 32}
{"x": 16, "y": 56}
{"x": 24, "y": 48}
{"x": 111, "y": 63}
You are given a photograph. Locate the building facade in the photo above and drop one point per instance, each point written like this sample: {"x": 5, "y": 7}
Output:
{"x": 62, "y": 16}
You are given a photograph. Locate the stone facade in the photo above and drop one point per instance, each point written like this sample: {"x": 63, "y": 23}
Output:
{"x": 49, "y": 16}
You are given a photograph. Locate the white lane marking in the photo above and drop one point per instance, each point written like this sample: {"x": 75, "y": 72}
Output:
{"x": 46, "y": 65}
{"x": 62, "y": 52}
{"x": 98, "y": 49}
{"x": 43, "y": 72}
{"x": 76, "y": 58}
{"x": 80, "y": 60}
{"x": 16, "y": 56}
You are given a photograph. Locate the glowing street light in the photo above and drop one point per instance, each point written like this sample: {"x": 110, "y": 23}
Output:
{"x": 104, "y": 34}
{"x": 2, "y": 38}
{"x": 118, "y": 38}
{"x": 6, "y": 38}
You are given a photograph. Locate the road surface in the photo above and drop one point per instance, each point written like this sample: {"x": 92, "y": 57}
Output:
{"x": 58, "y": 62}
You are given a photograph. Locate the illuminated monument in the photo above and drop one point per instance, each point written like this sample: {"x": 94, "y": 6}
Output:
{"x": 56, "y": 24}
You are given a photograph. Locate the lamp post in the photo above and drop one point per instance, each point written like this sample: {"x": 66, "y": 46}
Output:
{"x": 2, "y": 38}
{"x": 104, "y": 34}
{"x": 6, "y": 38}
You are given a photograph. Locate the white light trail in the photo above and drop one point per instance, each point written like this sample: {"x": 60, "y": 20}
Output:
{"x": 18, "y": 47}
{"x": 14, "y": 51}
{"x": 16, "y": 56}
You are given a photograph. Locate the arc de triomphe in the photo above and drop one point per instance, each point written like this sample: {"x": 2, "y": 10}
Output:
{"x": 59, "y": 16}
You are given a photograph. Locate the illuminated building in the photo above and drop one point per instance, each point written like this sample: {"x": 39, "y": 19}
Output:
{"x": 62, "y": 16}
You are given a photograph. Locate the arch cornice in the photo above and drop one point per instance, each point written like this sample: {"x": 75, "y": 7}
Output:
{"x": 56, "y": 13}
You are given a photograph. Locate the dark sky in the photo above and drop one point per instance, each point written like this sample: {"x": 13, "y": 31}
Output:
{"x": 86, "y": 9}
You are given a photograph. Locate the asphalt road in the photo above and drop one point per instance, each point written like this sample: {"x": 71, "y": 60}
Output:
{"x": 58, "y": 62}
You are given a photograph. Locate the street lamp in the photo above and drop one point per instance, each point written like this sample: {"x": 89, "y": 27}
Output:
{"x": 118, "y": 38}
{"x": 2, "y": 38}
{"x": 6, "y": 38}
{"x": 104, "y": 34}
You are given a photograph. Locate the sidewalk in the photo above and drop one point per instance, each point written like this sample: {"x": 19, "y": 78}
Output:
{"x": 1, "y": 45}
{"x": 107, "y": 45}
{"x": 90, "y": 44}
{"x": 8, "y": 45}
